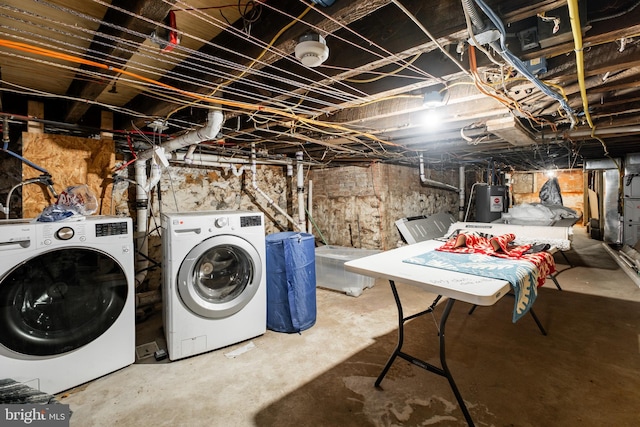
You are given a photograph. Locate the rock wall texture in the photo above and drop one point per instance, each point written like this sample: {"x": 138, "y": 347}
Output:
{"x": 358, "y": 206}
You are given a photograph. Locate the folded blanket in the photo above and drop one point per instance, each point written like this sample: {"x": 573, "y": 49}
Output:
{"x": 494, "y": 257}
{"x": 475, "y": 243}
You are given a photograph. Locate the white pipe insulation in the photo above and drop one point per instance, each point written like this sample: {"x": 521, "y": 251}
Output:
{"x": 258, "y": 190}
{"x": 433, "y": 183}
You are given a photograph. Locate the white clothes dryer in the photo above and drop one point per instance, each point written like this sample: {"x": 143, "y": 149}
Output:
{"x": 214, "y": 280}
{"x": 66, "y": 300}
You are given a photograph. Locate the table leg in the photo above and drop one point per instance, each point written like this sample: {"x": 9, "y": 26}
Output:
{"x": 444, "y": 369}
{"x": 565, "y": 258}
{"x": 555, "y": 281}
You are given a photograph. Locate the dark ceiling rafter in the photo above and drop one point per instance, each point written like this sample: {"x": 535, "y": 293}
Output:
{"x": 370, "y": 88}
{"x": 154, "y": 10}
{"x": 271, "y": 22}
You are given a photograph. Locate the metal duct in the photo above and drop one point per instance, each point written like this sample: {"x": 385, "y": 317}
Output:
{"x": 476, "y": 20}
{"x": 511, "y": 130}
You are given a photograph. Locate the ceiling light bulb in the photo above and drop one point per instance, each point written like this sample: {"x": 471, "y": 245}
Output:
{"x": 312, "y": 50}
{"x": 431, "y": 120}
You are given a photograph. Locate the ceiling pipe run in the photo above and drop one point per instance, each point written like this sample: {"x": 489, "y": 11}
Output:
{"x": 433, "y": 183}
{"x": 215, "y": 119}
{"x": 631, "y": 130}
{"x": 203, "y": 158}
{"x": 144, "y": 186}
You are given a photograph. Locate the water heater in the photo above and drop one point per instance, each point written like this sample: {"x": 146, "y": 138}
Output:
{"x": 491, "y": 201}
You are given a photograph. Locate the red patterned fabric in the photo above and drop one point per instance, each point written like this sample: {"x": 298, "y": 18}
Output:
{"x": 501, "y": 247}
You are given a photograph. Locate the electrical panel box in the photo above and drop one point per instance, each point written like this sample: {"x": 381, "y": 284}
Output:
{"x": 536, "y": 65}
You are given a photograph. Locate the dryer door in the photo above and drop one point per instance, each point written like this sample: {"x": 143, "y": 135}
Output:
{"x": 60, "y": 300}
{"x": 219, "y": 276}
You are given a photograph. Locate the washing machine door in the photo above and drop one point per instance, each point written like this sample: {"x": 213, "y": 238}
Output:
{"x": 60, "y": 300}
{"x": 219, "y": 276}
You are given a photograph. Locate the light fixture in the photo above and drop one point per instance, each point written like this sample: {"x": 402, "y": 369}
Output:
{"x": 431, "y": 119}
{"x": 432, "y": 99}
{"x": 312, "y": 49}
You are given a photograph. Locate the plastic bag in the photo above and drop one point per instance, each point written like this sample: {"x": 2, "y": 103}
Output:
{"x": 54, "y": 213}
{"x": 78, "y": 198}
{"x": 550, "y": 193}
{"x": 75, "y": 201}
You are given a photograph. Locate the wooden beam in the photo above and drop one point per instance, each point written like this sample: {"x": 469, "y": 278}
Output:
{"x": 35, "y": 109}
{"x": 106, "y": 122}
{"x": 118, "y": 53}
{"x": 343, "y": 12}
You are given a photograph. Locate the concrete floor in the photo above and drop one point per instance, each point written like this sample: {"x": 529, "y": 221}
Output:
{"x": 214, "y": 389}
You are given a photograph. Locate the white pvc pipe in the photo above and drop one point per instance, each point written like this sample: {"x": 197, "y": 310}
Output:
{"x": 144, "y": 186}
{"x": 473, "y": 187}
{"x": 269, "y": 200}
{"x": 142, "y": 211}
{"x": 226, "y": 166}
{"x": 203, "y": 159}
{"x": 309, "y": 206}
{"x": 431, "y": 182}
{"x": 461, "y": 195}
{"x": 154, "y": 176}
{"x": 142, "y": 198}
{"x": 302, "y": 222}
{"x": 215, "y": 120}
{"x": 188, "y": 157}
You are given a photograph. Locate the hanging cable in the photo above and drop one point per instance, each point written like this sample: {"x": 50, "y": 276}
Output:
{"x": 252, "y": 63}
{"x": 502, "y": 49}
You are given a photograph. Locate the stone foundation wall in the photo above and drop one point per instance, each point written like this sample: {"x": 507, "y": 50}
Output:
{"x": 358, "y": 206}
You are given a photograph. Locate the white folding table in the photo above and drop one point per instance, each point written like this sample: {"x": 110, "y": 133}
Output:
{"x": 456, "y": 286}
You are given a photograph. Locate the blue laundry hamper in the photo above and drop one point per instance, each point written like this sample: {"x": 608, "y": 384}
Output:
{"x": 291, "y": 281}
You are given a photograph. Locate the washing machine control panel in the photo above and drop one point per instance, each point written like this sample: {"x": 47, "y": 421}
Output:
{"x": 221, "y": 222}
{"x": 53, "y": 234}
{"x": 111, "y": 229}
{"x": 250, "y": 221}
{"x": 65, "y": 233}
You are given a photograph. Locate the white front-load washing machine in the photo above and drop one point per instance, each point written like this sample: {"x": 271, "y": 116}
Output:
{"x": 67, "y": 309}
{"x": 214, "y": 283}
